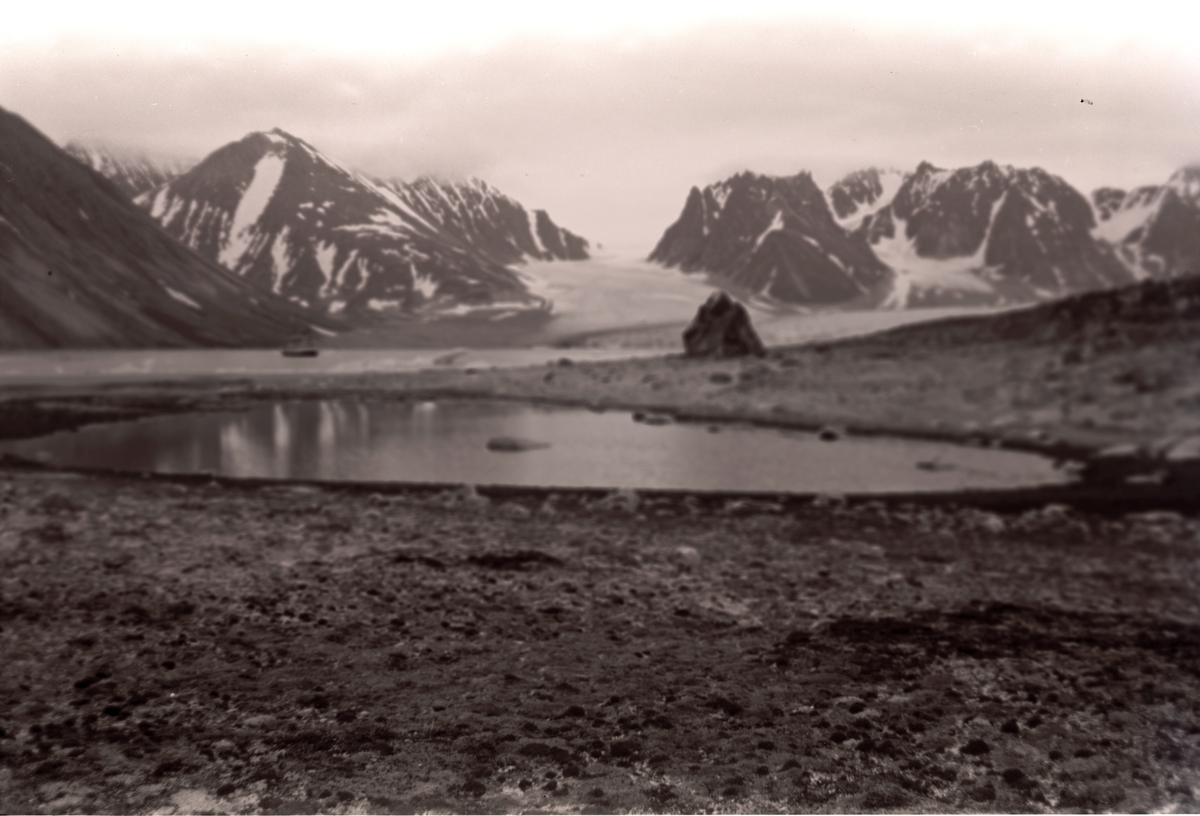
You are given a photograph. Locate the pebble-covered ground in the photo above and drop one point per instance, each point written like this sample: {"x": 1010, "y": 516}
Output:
{"x": 203, "y": 647}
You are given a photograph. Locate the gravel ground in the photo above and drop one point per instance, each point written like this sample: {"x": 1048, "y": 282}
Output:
{"x": 207, "y": 647}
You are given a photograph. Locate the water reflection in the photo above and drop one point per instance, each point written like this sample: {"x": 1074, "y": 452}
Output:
{"x": 447, "y": 442}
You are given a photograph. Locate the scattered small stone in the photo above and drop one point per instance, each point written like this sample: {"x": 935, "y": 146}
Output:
{"x": 830, "y": 433}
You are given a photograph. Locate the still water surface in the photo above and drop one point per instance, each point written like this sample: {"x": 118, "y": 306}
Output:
{"x": 447, "y": 441}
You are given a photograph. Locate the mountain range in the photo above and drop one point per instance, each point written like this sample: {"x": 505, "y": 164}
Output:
{"x": 291, "y": 221}
{"x": 81, "y": 265}
{"x": 267, "y": 237}
{"x": 987, "y": 235}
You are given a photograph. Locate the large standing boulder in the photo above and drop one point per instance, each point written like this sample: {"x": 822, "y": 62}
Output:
{"x": 722, "y": 328}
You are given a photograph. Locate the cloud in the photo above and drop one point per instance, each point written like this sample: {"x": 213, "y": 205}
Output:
{"x": 607, "y": 123}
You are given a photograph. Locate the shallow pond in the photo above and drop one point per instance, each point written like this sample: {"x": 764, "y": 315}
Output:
{"x": 448, "y": 441}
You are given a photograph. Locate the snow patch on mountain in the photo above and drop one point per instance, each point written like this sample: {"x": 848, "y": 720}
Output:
{"x": 325, "y": 254}
{"x": 775, "y": 225}
{"x": 181, "y": 297}
{"x": 537, "y": 242}
{"x": 424, "y": 284}
{"x": 254, "y": 200}
{"x": 280, "y": 260}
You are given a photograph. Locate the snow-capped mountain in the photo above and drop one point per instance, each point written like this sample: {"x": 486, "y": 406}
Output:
{"x": 863, "y": 193}
{"x": 975, "y": 235}
{"x": 1154, "y": 230}
{"x": 988, "y": 234}
{"x": 81, "y": 265}
{"x": 132, "y": 171}
{"x": 490, "y": 222}
{"x": 771, "y": 237}
{"x": 291, "y": 221}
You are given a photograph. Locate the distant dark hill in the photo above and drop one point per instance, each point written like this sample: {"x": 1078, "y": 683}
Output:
{"x": 82, "y": 266}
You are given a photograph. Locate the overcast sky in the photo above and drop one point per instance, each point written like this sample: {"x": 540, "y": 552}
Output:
{"x": 607, "y": 115}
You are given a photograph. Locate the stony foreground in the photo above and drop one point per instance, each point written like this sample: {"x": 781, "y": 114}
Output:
{"x": 204, "y": 647}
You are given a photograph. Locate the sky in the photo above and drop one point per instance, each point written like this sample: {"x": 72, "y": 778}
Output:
{"x": 607, "y": 114}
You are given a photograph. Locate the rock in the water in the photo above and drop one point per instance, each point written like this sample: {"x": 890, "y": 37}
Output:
{"x": 511, "y": 444}
{"x": 722, "y": 328}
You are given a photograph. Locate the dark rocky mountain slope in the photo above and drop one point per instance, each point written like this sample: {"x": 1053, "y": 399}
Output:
{"x": 81, "y": 265}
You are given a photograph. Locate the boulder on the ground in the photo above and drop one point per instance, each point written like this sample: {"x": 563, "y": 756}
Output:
{"x": 722, "y": 328}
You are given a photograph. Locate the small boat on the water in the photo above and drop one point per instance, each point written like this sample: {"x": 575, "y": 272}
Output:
{"x": 301, "y": 346}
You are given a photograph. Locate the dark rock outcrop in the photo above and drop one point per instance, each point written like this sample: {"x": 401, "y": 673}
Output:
{"x": 722, "y": 328}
